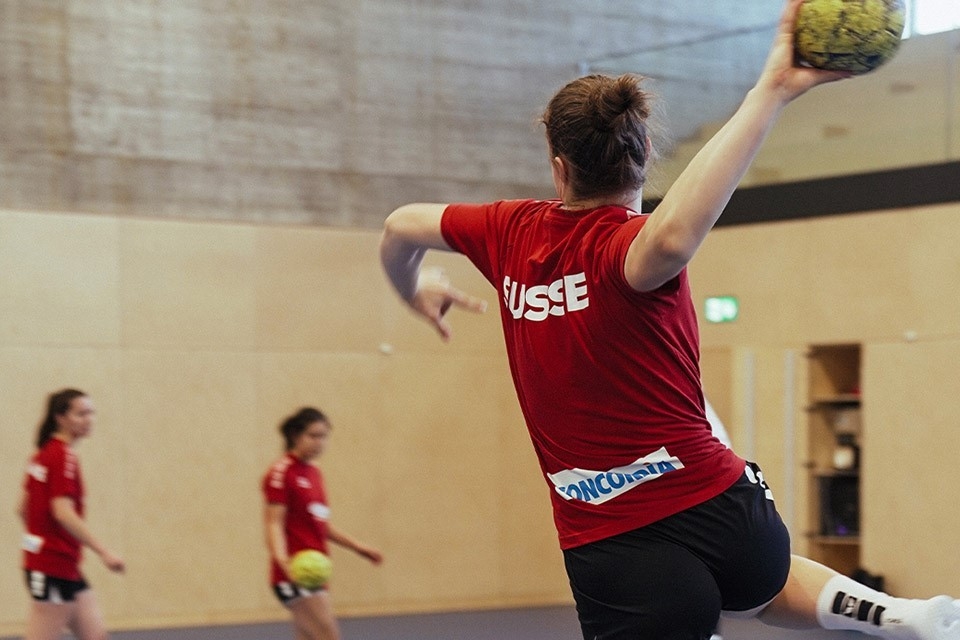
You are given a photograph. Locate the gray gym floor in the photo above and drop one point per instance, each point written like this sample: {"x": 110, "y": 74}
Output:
{"x": 544, "y": 623}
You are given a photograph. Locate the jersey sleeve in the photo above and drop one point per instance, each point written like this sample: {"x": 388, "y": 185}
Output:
{"x": 614, "y": 254}
{"x": 475, "y": 231}
{"x": 275, "y": 486}
{"x": 61, "y": 473}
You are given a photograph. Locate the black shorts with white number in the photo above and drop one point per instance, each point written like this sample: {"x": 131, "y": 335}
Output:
{"x": 287, "y": 592}
{"x": 44, "y": 588}
{"x": 670, "y": 579}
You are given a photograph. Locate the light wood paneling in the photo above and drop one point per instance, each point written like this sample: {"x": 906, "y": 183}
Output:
{"x": 194, "y": 539}
{"x": 716, "y": 371}
{"x": 910, "y": 476}
{"x": 224, "y": 330}
{"x": 60, "y": 280}
{"x": 837, "y": 279}
{"x": 320, "y": 290}
{"x": 881, "y": 280}
{"x": 187, "y": 284}
{"x": 764, "y": 267}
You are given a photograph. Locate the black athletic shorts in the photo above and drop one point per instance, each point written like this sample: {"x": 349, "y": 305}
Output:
{"x": 44, "y": 588}
{"x": 670, "y": 579}
{"x": 287, "y": 592}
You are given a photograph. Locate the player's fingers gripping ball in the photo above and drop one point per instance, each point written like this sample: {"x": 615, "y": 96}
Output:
{"x": 849, "y": 35}
{"x": 310, "y": 569}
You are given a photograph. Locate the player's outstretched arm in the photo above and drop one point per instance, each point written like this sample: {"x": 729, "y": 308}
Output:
{"x": 65, "y": 513}
{"x": 407, "y": 235}
{"x": 348, "y": 542}
{"x": 678, "y": 225}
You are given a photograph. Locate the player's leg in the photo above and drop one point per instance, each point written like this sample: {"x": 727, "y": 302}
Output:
{"x": 313, "y": 617}
{"x": 47, "y": 621}
{"x": 816, "y": 596}
{"x": 87, "y": 621}
{"x": 50, "y": 611}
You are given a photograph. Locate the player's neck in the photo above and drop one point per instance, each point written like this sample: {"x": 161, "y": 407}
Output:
{"x": 65, "y": 438}
{"x": 632, "y": 200}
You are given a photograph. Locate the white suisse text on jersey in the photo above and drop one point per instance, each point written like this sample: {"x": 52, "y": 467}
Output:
{"x": 537, "y": 302}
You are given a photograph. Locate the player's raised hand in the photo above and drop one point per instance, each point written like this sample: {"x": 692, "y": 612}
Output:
{"x": 782, "y": 72}
{"x": 434, "y": 297}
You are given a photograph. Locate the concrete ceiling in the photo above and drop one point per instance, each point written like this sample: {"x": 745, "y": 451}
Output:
{"x": 702, "y": 55}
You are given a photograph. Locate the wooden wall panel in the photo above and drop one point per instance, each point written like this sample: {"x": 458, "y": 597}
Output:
{"x": 217, "y": 332}
{"x": 910, "y": 474}
{"x": 763, "y": 266}
{"x": 836, "y": 279}
{"x": 60, "y": 280}
{"x": 880, "y": 279}
{"x": 440, "y": 421}
{"x": 320, "y": 291}
{"x": 187, "y": 285}
{"x": 193, "y": 525}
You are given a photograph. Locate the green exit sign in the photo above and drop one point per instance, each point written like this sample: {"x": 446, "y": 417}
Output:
{"x": 721, "y": 309}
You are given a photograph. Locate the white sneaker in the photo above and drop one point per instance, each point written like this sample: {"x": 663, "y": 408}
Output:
{"x": 940, "y": 619}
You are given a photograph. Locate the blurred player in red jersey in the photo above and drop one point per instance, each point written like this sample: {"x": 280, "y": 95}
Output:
{"x": 296, "y": 517}
{"x": 52, "y": 509}
{"x": 662, "y": 527}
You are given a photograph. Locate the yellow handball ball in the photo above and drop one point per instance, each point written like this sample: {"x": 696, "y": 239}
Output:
{"x": 849, "y": 35}
{"x": 310, "y": 569}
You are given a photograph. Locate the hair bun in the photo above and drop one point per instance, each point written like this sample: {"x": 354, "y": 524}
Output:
{"x": 618, "y": 98}
{"x": 598, "y": 124}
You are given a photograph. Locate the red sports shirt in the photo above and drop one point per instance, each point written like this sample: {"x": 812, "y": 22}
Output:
{"x": 53, "y": 472}
{"x": 298, "y": 486}
{"x": 608, "y": 378}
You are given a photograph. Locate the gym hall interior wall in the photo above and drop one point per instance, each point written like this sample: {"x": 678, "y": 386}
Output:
{"x": 195, "y": 337}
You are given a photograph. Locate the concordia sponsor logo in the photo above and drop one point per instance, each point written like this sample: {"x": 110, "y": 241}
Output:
{"x": 319, "y": 510}
{"x": 37, "y": 471}
{"x": 596, "y": 487}
{"x": 32, "y": 543}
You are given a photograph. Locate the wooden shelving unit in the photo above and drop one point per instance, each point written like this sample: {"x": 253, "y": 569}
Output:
{"x": 834, "y": 433}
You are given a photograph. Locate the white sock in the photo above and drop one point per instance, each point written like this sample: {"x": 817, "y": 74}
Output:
{"x": 848, "y": 605}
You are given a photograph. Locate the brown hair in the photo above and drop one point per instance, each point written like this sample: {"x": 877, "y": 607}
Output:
{"x": 58, "y": 404}
{"x": 598, "y": 125}
{"x": 292, "y": 426}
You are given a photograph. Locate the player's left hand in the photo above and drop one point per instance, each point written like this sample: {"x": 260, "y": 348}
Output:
{"x": 435, "y": 296}
{"x": 370, "y": 554}
{"x": 782, "y": 72}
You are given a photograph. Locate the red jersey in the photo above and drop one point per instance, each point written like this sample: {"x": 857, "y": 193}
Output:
{"x": 298, "y": 486}
{"x": 608, "y": 378}
{"x": 53, "y": 472}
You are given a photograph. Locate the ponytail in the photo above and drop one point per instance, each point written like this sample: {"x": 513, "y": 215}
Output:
{"x": 57, "y": 405}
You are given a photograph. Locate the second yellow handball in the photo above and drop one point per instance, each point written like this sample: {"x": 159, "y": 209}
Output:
{"x": 310, "y": 569}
